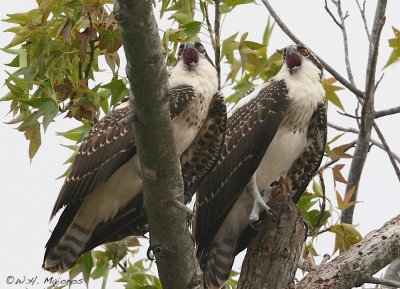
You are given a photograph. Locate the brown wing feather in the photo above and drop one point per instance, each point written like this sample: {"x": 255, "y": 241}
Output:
{"x": 203, "y": 153}
{"x": 109, "y": 145}
{"x": 249, "y": 131}
{"x": 96, "y": 162}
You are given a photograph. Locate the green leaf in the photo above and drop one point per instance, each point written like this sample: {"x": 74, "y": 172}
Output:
{"x": 243, "y": 86}
{"x": 346, "y": 236}
{"x": 47, "y": 107}
{"x": 118, "y": 90}
{"x": 234, "y": 3}
{"x": 192, "y": 29}
{"x": 339, "y": 152}
{"x": 20, "y": 82}
{"x": 182, "y": 18}
{"x": 330, "y": 91}
{"x": 33, "y": 135}
{"x": 101, "y": 270}
{"x": 109, "y": 40}
{"x": 164, "y": 6}
{"x": 77, "y": 134}
{"x": 395, "y": 44}
{"x": 268, "y": 32}
{"x": 87, "y": 265}
{"x": 306, "y": 201}
{"x": 228, "y": 46}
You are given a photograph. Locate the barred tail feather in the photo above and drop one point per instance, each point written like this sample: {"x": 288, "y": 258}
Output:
{"x": 63, "y": 255}
{"x": 217, "y": 263}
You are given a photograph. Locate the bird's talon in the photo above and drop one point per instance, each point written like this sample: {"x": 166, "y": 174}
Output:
{"x": 274, "y": 184}
{"x": 187, "y": 198}
{"x": 150, "y": 254}
{"x": 272, "y": 213}
{"x": 255, "y": 224}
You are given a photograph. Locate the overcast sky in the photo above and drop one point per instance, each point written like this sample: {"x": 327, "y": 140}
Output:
{"x": 28, "y": 190}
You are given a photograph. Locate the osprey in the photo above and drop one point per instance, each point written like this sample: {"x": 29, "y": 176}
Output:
{"x": 279, "y": 129}
{"x": 102, "y": 195}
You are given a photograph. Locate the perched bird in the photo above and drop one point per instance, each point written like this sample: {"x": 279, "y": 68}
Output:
{"x": 102, "y": 194}
{"x": 279, "y": 129}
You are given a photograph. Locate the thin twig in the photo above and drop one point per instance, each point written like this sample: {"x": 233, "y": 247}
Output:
{"x": 379, "y": 81}
{"x": 340, "y": 128}
{"x": 387, "y": 149}
{"x": 332, "y": 16}
{"x": 332, "y": 71}
{"x": 379, "y": 145}
{"x": 372, "y": 141}
{"x": 367, "y": 112}
{"x": 374, "y": 280}
{"x": 324, "y": 230}
{"x": 386, "y": 112}
{"x": 345, "y": 40}
{"x": 362, "y": 12}
{"x": 347, "y": 114}
{"x": 209, "y": 27}
{"x": 217, "y": 26}
{"x": 122, "y": 266}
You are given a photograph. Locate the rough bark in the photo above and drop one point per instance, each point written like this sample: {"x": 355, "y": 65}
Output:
{"x": 162, "y": 181}
{"x": 272, "y": 256}
{"x": 355, "y": 266}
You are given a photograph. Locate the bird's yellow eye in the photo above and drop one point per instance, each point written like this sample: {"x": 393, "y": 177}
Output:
{"x": 304, "y": 51}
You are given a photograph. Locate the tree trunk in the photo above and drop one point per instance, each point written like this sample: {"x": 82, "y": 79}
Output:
{"x": 170, "y": 239}
{"x": 272, "y": 256}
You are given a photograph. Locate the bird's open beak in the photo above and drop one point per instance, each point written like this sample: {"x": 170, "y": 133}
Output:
{"x": 293, "y": 60}
{"x": 190, "y": 55}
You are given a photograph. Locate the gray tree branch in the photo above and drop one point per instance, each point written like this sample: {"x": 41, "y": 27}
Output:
{"x": 385, "y": 282}
{"x": 372, "y": 141}
{"x": 170, "y": 239}
{"x": 217, "y": 48}
{"x": 342, "y": 26}
{"x": 387, "y": 149}
{"x": 362, "y": 12}
{"x": 367, "y": 112}
{"x": 386, "y": 112}
{"x": 356, "y": 266}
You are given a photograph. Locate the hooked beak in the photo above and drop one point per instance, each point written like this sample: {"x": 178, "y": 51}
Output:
{"x": 293, "y": 60}
{"x": 190, "y": 55}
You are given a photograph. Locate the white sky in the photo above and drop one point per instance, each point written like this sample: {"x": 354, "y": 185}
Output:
{"x": 28, "y": 191}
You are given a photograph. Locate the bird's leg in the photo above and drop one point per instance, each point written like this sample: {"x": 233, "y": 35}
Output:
{"x": 260, "y": 201}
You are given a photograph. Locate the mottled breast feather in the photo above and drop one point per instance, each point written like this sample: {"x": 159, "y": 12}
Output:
{"x": 203, "y": 153}
{"x": 304, "y": 168}
{"x": 250, "y": 130}
{"x": 109, "y": 145}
